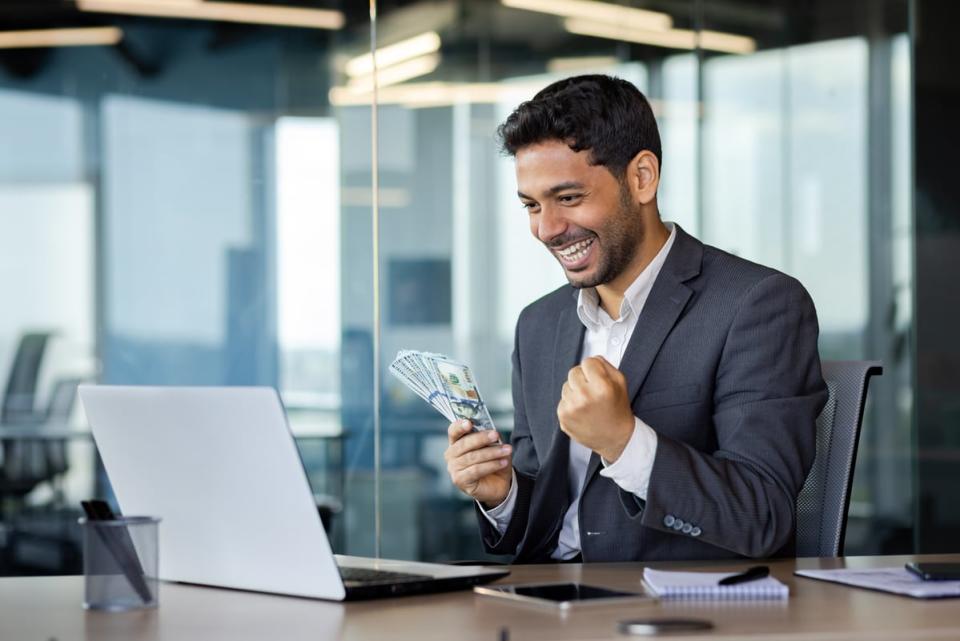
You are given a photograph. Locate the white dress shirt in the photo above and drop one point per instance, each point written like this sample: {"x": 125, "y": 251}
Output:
{"x": 608, "y": 338}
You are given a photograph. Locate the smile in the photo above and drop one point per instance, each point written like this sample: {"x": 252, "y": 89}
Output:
{"x": 575, "y": 252}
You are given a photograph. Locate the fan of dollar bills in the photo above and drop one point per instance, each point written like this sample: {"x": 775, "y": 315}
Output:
{"x": 447, "y": 385}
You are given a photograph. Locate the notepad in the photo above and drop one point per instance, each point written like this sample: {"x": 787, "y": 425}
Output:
{"x": 893, "y": 580}
{"x": 705, "y": 585}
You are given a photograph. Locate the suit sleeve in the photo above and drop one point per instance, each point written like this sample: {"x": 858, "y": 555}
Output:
{"x": 768, "y": 393}
{"x": 525, "y": 466}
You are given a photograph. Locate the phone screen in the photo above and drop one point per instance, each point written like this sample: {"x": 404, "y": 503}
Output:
{"x": 565, "y": 592}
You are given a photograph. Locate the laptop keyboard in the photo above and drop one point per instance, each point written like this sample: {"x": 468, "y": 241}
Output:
{"x": 379, "y": 577}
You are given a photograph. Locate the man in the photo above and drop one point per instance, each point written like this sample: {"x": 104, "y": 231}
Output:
{"x": 665, "y": 400}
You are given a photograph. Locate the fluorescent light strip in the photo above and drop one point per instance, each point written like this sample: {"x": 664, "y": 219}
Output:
{"x": 79, "y": 37}
{"x": 220, "y": 11}
{"x": 420, "y": 45}
{"x": 429, "y": 94}
{"x": 626, "y": 17}
{"x": 397, "y": 73}
{"x": 580, "y": 63}
{"x": 444, "y": 94}
{"x": 673, "y": 38}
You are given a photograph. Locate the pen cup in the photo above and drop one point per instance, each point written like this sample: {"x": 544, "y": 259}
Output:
{"x": 120, "y": 558}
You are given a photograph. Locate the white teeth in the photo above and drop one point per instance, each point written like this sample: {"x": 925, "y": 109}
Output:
{"x": 575, "y": 251}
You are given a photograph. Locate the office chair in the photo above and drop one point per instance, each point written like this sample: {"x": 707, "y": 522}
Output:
{"x": 27, "y": 462}
{"x": 825, "y": 497}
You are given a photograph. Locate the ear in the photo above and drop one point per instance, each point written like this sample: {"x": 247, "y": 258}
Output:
{"x": 643, "y": 176}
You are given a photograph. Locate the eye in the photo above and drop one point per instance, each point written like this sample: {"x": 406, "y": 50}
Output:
{"x": 529, "y": 206}
{"x": 569, "y": 199}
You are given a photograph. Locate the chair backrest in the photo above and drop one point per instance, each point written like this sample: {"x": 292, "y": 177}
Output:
{"x": 20, "y": 395}
{"x": 825, "y": 498}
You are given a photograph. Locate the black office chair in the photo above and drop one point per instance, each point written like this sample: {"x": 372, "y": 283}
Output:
{"x": 27, "y": 462}
{"x": 825, "y": 498}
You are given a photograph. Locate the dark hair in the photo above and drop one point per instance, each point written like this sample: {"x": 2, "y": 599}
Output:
{"x": 607, "y": 116}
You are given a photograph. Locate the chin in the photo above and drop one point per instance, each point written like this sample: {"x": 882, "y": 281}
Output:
{"x": 580, "y": 280}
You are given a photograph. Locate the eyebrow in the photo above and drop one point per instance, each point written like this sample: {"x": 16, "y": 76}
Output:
{"x": 556, "y": 189}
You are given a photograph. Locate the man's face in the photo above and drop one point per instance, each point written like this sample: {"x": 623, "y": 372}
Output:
{"x": 580, "y": 212}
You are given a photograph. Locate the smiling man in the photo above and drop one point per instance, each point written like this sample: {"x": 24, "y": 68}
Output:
{"x": 665, "y": 400}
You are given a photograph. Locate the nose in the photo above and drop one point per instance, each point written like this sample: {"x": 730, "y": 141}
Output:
{"x": 550, "y": 224}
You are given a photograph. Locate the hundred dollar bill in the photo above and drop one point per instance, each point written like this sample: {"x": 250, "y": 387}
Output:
{"x": 447, "y": 385}
{"x": 461, "y": 391}
{"x": 414, "y": 380}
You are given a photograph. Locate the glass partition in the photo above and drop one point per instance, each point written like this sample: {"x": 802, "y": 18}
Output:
{"x": 191, "y": 202}
{"x": 779, "y": 126}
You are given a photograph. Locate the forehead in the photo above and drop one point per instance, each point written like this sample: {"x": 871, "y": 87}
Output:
{"x": 544, "y": 165}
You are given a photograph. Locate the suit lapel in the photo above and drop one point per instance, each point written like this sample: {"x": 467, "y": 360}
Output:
{"x": 566, "y": 355}
{"x": 553, "y": 489}
{"x": 569, "y": 346}
{"x": 664, "y": 305}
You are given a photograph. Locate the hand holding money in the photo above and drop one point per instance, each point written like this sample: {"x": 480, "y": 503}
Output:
{"x": 478, "y": 463}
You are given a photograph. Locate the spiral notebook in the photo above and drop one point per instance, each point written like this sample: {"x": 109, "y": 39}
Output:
{"x": 705, "y": 586}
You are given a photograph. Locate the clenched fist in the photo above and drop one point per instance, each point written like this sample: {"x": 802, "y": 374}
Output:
{"x": 478, "y": 463}
{"x": 594, "y": 409}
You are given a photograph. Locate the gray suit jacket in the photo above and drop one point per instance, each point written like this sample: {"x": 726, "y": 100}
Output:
{"x": 723, "y": 365}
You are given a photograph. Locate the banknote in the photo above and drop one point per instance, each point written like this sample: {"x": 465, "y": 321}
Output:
{"x": 462, "y": 393}
{"x": 447, "y": 385}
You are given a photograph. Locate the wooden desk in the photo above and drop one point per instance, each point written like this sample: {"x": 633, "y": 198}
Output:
{"x": 44, "y": 608}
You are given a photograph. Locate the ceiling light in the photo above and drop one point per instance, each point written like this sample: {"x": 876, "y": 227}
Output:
{"x": 568, "y": 65}
{"x": 396, "y": 73}
{"x": 625, "y": 17}
{"x": 220, "y": 11}
{"x": 436, "y": 94}
{"x": 672, "y": 38}
{"x": 420, "y": 45}
{"x": 80, "y": 37}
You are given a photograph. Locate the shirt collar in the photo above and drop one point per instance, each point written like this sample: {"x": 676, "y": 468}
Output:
{"x": 588, "y": 301}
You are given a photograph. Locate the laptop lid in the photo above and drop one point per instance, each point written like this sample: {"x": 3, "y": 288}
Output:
{"x": 221, "y": 469}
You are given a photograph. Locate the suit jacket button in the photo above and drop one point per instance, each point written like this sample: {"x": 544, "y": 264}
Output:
{"x": 668, "y": 520}
{"x": 695, "y": 532}
{"x": 677, "y": 524}
{"x": 687, "y": 528}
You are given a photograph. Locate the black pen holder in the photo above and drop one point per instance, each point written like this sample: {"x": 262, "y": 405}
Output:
{"x": 120, "y": 561}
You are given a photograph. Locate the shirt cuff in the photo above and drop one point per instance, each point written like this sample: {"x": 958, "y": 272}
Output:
{"x": 632, "y": 470}
{"x": 499, "y": 516}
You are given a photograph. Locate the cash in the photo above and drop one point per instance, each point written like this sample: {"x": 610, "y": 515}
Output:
{"x": 448, "y": 386}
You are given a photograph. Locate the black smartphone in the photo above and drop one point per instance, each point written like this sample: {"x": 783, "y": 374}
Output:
{"x": 935, "y": 571}
{"x": 559, "y": 595}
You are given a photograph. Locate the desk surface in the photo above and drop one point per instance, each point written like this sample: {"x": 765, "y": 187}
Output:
{"x": 49, "y": 608}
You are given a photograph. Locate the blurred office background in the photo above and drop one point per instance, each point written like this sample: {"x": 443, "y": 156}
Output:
{"x": 187, "y": 199}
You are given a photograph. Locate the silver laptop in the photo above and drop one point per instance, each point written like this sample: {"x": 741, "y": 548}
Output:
{"x": 220, "y": 467}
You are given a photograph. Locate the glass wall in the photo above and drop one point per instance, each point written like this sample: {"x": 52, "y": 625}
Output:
{"x": 193, "y": 205}
{"x": 785, "y": 141}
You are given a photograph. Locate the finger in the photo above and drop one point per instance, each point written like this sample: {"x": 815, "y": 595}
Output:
{"x": 473, "y": 441}
{"x": 479, "y": 456}
{"x": 457, "y": 429}
{"x": 474, "y": 473}
{"x": 608, "y": 367}
{"x": 577, "y": 375}
{"x": 594, "y": 370}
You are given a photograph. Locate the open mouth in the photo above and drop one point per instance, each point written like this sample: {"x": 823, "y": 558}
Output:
{"x": 575, "y": 255}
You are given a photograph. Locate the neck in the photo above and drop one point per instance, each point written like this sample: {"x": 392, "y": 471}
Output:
{"x": 611, "y": 294}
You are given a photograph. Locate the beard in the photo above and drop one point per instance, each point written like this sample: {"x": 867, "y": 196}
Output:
{"x": 617, "y": 242}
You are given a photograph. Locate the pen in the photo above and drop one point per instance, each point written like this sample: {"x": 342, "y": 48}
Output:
{"x": 752, "y": 574}
{"x": 120, "y": 546}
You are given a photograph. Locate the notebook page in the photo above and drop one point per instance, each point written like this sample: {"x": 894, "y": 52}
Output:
{"x": 705, "y": 585}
